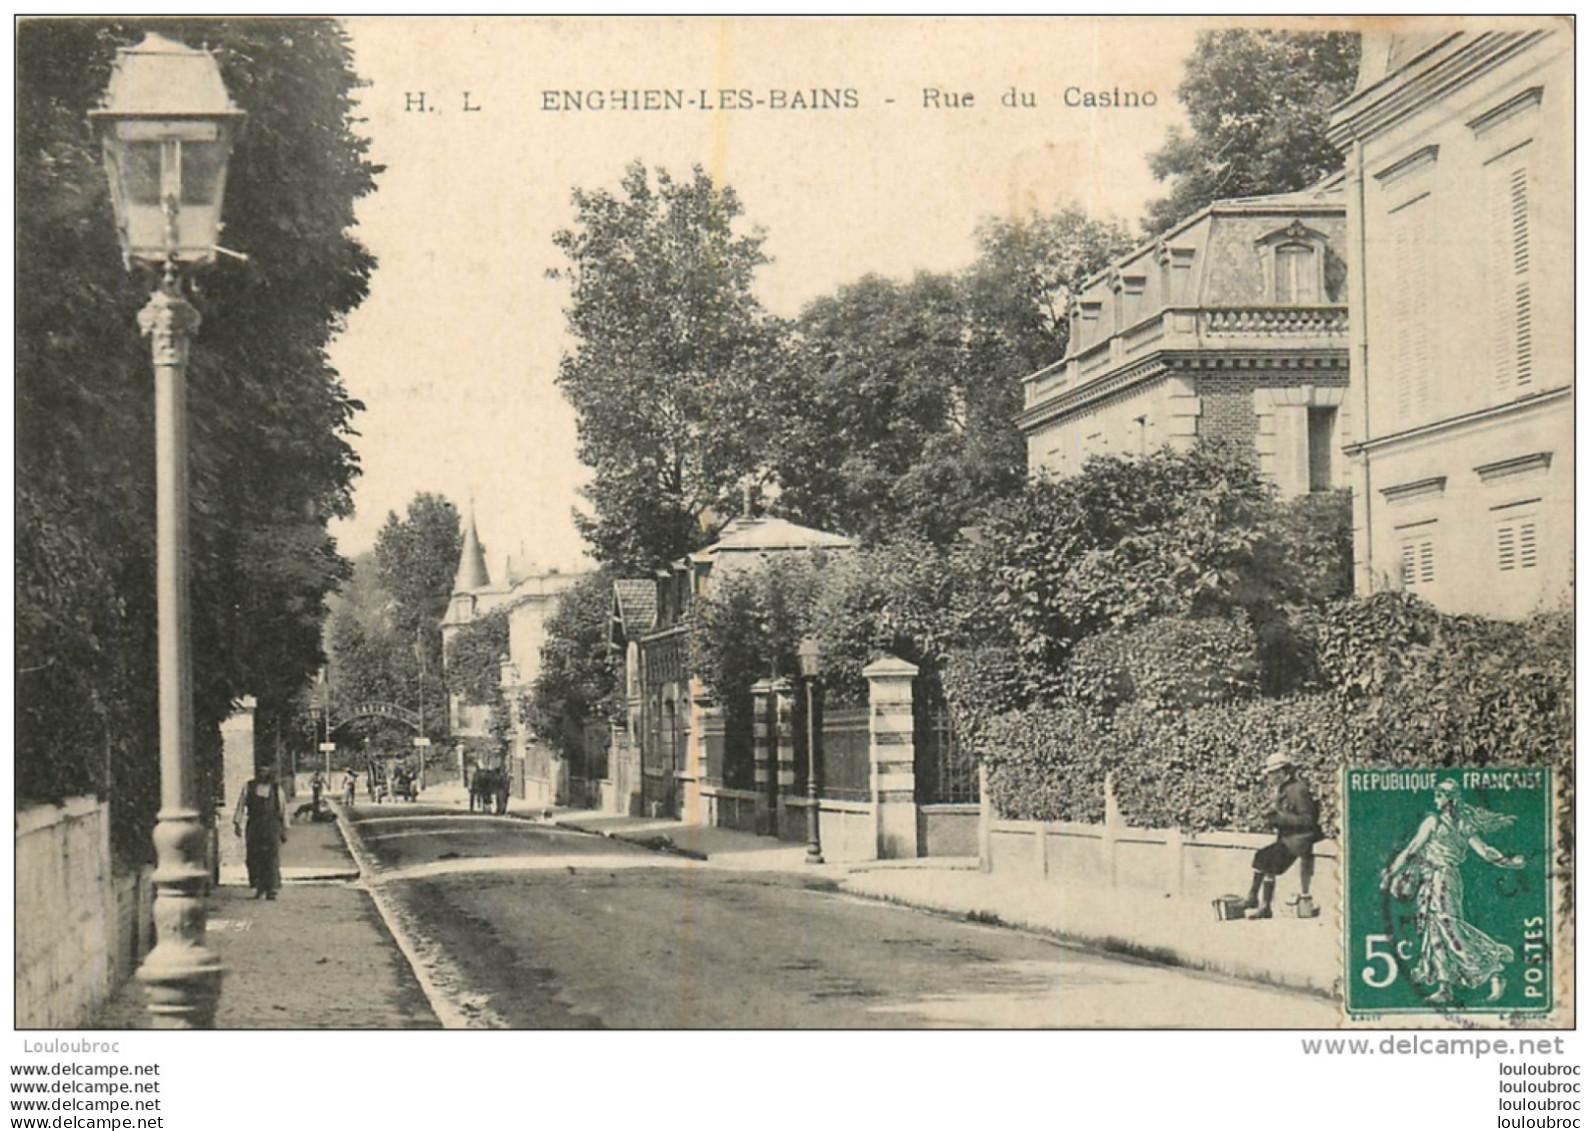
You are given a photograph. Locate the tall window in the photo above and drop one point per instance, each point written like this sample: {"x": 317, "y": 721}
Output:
{"x": 1321, "y": 441}
{"x": 1412, "y": 306}
{"x": 1511, "y": 258}
{"x": 1296, "y": 275}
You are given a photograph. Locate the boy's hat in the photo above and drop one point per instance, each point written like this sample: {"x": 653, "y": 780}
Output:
{"x": 1277, "y": 761}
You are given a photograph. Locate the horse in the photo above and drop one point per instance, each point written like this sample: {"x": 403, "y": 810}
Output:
{"x": 488, "y": 789}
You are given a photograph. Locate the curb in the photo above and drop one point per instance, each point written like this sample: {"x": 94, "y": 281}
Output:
{"x": 655, "y": 843}
{"x": 450, "y": 1013}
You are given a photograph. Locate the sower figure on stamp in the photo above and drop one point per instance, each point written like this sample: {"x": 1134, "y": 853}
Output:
{"x": 262, "y": 809}
{"x": 1429, "y": 871}
{"x": 1295, "y": 818}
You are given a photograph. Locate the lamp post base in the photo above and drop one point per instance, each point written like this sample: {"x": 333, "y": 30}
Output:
{"x": 814, "y": 857}
{"x": 181, "y": 974}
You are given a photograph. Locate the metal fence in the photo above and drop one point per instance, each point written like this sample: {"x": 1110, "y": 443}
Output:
{"x": 845, "y": 753}
{"x": 945, "y": 770}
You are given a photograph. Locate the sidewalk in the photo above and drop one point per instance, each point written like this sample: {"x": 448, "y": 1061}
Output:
{"x": 1301, "y": 954}
{"x": 317, "y": 957}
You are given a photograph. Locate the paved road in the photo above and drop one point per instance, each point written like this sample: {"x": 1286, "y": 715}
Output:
{"x": 532, "y": 926}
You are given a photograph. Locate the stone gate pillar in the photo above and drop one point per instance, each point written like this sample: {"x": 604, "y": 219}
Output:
{"x": 784, "y": 755}
{"x": 893, "y": 729}
{"x": 762, "y": 720}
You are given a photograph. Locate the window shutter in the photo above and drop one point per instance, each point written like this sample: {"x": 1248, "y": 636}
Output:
{"x": 1511, "y": 262}
{"x": 1526, "y": 546}
{"x": 1516, "y": 546}
{"x": 1418, "y": 562}
{"x": 1411, "y": 250}
{"x": 1506, "y": 548}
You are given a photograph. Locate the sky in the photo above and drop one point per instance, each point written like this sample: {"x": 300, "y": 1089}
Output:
{"x": 456, "y": 350}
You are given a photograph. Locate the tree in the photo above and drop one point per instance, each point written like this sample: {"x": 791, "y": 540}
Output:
{"x": 1128, "y": 541}
{"x": 668, "y": 342}
{"x": 474, "y": 673}
{"x": 578, "y": 678}
{"x": 871, "y": 388}
{"x": 270, "y": 459}
{"x": 372, "y": 659}
{"x": 416, "y": 561}
{"x": 1258, "y": 103}
{"x": 897, "y": 403}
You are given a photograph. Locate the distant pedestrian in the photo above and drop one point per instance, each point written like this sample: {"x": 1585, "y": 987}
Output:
{"x": 263, "y": 810}
{"x": 1295, "y": 818}
{"x": 317, "y": 786}
{"x": 350, "y": 787}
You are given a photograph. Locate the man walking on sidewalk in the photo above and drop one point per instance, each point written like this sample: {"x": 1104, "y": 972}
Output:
{"x": 264, "y": 812}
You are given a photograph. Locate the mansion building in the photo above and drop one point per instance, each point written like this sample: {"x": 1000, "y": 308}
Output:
{"x": 1230, "y": 327}
{"x": 527, "y": 596}
{"x": 1459, "y": 151}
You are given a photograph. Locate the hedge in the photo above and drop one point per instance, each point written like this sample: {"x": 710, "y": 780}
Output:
{"x": 1406, "y": 686}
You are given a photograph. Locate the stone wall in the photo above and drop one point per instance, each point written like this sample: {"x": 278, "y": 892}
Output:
{"x": 80, "y": 927}
{"x": 1150, "y": 861}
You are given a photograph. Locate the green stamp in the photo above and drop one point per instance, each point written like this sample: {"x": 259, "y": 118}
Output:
{"x": 1448, "y": 890}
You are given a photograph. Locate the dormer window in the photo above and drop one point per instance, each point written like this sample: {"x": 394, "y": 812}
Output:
{"x": 1128, "y": 291}
{"x": 1294, "y": 265}
{"x": 1085, "y": 322}
{"x": 1296, "y": 274}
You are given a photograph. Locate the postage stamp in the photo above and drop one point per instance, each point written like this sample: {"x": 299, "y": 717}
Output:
{"x": 1448, "y": 893}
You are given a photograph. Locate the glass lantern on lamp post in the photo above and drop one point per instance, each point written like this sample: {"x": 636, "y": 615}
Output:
{"x": 810, "y": 654}
{"x": 167, "y": 126}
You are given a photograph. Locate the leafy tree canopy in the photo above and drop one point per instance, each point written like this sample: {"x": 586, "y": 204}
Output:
{"x": 475, "y": 657}
{"x": 897, "y": 401}
{"x": 669, "y": 340}
{"x": 371, "y": 659}
{"x": 416, "y": 561}
{"x": 1258, "y": 103}
{"x": 578, "y": 677}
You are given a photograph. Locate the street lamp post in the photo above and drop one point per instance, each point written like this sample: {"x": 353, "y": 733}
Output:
{"x": 167, "y": 126}
{"x": 811, "y": 668}
{"x": 422, "y": 741}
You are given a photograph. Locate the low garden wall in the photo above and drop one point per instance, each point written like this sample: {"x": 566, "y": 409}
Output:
{"x": 1161, "y": 861}
{"x": 81, "y": 927}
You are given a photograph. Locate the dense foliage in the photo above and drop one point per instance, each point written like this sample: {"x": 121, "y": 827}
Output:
{"x": 1404, "y": 686}
{"x": 417, "y": 558}
{"x": 885, "y": 410}
{"x": 668, "y": 342}
{"x": 475, "y": 657}
{"x": 751, "y": 621}
{"x": 371, "y": 660}
{"x": 1258, "y": 103}
{"x": 474, "y": 673}
{"x": 270, "y": 421}
{"x": 578, "y": 678}
{"x": 1173, "y": 534}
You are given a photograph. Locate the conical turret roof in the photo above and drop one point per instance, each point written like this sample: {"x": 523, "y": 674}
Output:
{"x": 472, "y": 573}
